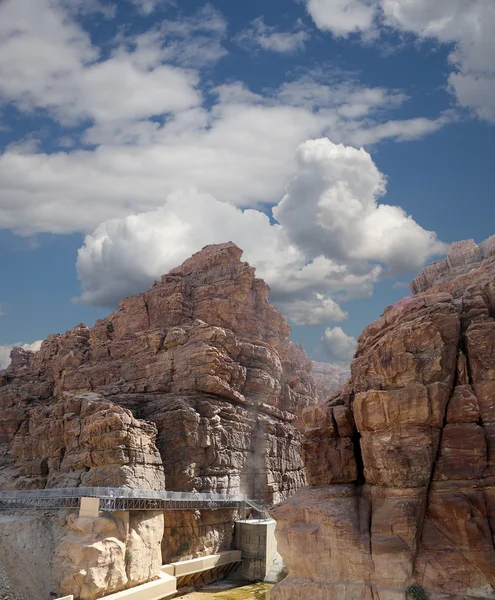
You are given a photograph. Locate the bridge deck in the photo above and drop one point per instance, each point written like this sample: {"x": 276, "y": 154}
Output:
{"x": 112, "y": 499}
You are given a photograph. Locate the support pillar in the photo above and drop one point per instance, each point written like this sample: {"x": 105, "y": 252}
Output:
{"x": 256, "y": 540}
{"x": 89, "y": 507}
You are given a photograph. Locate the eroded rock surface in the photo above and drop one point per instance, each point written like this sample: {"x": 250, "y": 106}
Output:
{"x": 401, "y": 460}
{"x": 328, "y": 379}
{"x": 83, "y": 440}
{"x": 202, "y": 355}
{"x": 106, "y": 554}
{"x": 193, "y": 385}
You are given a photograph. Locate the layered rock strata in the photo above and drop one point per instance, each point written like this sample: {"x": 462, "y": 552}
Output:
{"x": 194, "y": 383}
{"x": 328, "y": 379}
{"x": 202, "y": 355}
{"x": 83, "y": 440}
{"x": 401, "y": 461}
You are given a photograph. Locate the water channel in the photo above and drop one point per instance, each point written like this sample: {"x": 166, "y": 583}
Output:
{"x": 226, "y": 591}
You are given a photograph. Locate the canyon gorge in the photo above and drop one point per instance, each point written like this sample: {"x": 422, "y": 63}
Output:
{"x": 400, "y": 461}
{"x": 380, "y": 478}
{"x": 193, "y": 386}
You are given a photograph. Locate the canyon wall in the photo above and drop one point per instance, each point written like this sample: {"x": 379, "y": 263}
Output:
{"x": 401, "y": 461}
{"x": 328, "y": 379}
{"x": 193, "y": 385}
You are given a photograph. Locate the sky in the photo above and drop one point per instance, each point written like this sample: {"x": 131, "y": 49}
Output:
{"x": 342, "y": 144}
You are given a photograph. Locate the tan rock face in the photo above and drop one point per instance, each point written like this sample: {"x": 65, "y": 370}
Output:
{"x": 402, "y": 459}
{"x": 202, "y": 355}
{"x": 196, "y": 379}
{"x": 328, "y": 379}
{"x": 106, "y": 554}
{"x": 83, "y": 440}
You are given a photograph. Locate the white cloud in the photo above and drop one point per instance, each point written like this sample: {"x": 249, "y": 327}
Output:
{"x": 7, "y": 349}
{"x": 190, "y": 41}
{"x": 48, "y": 61}
{"x": 338, "y": 346}
{"x": 241, "y": 151}
{"x": 268, "y": 37}
{"x": 3, "y": 309}
{"x": 327, "y": 245}
{"x": 236, "y": 145}
{"x": 86, "y": 8}
{"x": 342, "y": 17}
{"x": 402, "y": 131}
{"x": 146, "y": 7}
{"x": 331, "y": 209}
{"x": 467, "y": 26}
{"x": 123, "y": 256}
{"x": 320, "y": 308}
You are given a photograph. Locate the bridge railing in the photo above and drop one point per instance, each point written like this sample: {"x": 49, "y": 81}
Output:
{"x": 107, "y": 492}
{"x": 115, "y": 499}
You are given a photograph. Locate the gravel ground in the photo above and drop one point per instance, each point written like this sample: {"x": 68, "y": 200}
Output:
{"x": 7, "y": 592}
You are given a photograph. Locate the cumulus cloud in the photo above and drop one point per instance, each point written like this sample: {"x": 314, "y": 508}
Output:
{"x": 331, "y": 209}
{"x": 331, "y": 240}
{"x": 7, "y": 349}
{"x": 268, "y": 37}
{"x": 241, "y": 151}
{"x": 150, "y": 125}
{"x": 39, "y": 41}
{"x": 123, "y": 256}
{"x": 342, "y": 17}
{"x": 189, "y": 41}
{"x": 338, "y": 346}
{"x": 466, "y": 26}
{"x": 319, "y": 309}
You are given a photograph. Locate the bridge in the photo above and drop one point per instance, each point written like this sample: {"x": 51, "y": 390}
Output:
{"x": 112, "y": 499}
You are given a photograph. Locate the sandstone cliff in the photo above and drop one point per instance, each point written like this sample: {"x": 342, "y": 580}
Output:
{"x": 328, "y": 379}
{"x": 204, "y": 357}
{"x": 193, "y": 385}
{"x": 401, "y": 462}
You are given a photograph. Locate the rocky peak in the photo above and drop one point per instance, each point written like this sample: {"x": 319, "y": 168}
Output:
{"x": 462, "y": 258}
{"x": 20, "y": 358}
{"x": 209, "y": 257}
{"x": 204, "y": 357}
{"x": 401, "y": 461}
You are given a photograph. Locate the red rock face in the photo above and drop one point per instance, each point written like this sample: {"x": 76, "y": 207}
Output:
{"x": 204, "y": 357}
{"x": 402, "y": 460}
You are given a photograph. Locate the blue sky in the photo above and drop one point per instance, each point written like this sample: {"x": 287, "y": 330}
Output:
{"x": 341, "y": 143}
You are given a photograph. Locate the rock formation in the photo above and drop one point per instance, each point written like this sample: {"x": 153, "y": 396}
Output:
{"x": 328, "y": 379}
{"x": 401, "y": 461}
{"x": 195, "y": 379}
{"x": 202, "y": 355}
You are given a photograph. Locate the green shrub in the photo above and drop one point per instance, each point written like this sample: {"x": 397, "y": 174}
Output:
{"x": 416, "y": 592}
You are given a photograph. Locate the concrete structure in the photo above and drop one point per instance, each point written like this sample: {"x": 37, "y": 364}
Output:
{"x": 256, "y": 540}
{"x": 203, "y": 570}
{"x": 89, "y": 507}
{"x": 196, "y": 571}
{"x": 164, "y": 587}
